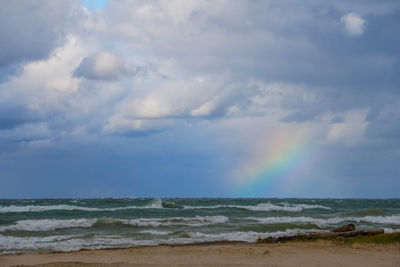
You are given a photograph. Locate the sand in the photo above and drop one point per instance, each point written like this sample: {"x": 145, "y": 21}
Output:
{"x": 321, "y": 253}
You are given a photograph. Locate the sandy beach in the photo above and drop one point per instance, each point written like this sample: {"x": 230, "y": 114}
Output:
{"x": 321, "y": 253}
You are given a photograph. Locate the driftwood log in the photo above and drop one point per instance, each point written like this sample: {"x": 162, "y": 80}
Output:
{"x": 345, "y": 228}
{"x": 350, "y": 233}
{"x": 335, "y": 232}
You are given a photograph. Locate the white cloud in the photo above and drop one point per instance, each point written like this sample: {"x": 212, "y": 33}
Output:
{"x": 353, "y": 23}
{"x": 190, "y": 58}
{"x": 151, "y": 107}
{"x": 103, "y": 66}
{"x": 204, "y": 109}
{"x": 45, "y": 84}
{"x": 168, "y": 97}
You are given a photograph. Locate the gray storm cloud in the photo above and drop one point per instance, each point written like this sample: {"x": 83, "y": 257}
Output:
{"x": 31, "y": 30}
{"x": 135, "y": 70}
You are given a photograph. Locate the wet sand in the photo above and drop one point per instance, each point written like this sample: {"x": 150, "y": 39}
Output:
{"x": 321, "y": 253}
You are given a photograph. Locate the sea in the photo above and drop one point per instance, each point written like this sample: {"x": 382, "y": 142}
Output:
{"x": 33, "y": 225}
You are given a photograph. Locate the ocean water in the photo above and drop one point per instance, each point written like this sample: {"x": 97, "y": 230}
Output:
{"x": 74, "y": 224}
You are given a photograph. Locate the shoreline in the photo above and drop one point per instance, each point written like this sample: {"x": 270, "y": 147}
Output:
{"x": 377, "y": 239}
{"x": 220, "y": 253}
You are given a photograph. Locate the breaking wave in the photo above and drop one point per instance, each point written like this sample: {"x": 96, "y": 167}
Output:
{"x": 265, "y": 207}
{"x": 394, "y": 219}
{"x": 162, "y": 204}
{"x": 47, "y": 224}
{"x": 154, "y": 204}
{"x": 52, "y": 224}
{"x": 30, "y": 225}
{"x": 11, "y": 244}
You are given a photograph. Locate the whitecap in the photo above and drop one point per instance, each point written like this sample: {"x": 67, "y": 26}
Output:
{"x": 11, "y": 244}
{"x": 37, "y": 208}
{"x": 154, "y": 232}
{"x": 47, "y": 224}
{"x": 265, "y": 207}
{"x": 394, "y": 219}
{"x": 190, "y": 221}
{"x": 53, "y": 224}
{"x": 154, "y": 204}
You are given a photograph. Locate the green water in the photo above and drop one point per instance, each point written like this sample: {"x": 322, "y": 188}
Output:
{"x": 73, "y": 224}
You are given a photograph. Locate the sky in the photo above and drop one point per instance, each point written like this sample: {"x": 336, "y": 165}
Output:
{"x": 199, "y": 98}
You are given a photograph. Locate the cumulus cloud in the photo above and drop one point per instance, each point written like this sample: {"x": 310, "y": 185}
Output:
{"x": 205, "y": 60}
{"x": 31, "y": 30}
{"x": 354, "y": 24}
{"x": 103, "y": 66}
{"x": 45, "y": 92}
{"x": 43, "y": 84}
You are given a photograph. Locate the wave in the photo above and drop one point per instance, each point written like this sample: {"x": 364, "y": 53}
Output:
{"x": 394, "y": 219}
{"x": 248, "y": 236}
{"x": 190, "y": 221}
{"x": 154, "y": 204}
{"x": 265, "y": 207}
{"x": 36, "y": 208}
{"x": 364, "y": 212}
{"x": 47, "y": 224}
{"x": 171, "y": 205}
{"x": 11, "y": 244}
{"x": 53, "y": 224}
{"x": 158, "y": 203}
{"x": 261, "y": 227}
{"x": 154, "y": 232}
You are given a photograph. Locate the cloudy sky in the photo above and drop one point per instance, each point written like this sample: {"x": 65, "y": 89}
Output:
{"x": 193, "y": 98}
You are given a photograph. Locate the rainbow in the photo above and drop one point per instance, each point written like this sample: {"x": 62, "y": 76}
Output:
{"x": 274, "y": 165}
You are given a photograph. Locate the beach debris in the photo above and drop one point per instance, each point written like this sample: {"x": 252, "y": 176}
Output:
{"x": 267, "y": 252}
{"x": 339, "y": 232}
